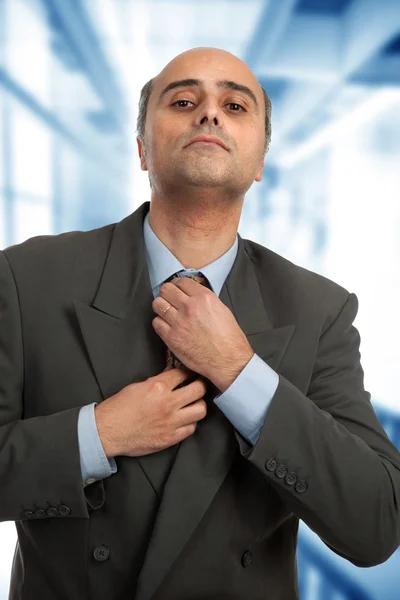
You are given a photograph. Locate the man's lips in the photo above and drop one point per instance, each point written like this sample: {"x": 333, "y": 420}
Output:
{"x": 207, "y": 140}
{"x": 202, "y": 142}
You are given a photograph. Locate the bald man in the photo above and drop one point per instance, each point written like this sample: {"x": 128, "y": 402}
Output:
{"x": 132, "y": 476}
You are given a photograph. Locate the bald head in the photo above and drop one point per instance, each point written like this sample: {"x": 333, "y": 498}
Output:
{"x": 206, "y": 54}
{"x": 240, "y": 78}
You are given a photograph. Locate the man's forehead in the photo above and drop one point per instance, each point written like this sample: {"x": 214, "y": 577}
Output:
{"x": 208, "y": 67}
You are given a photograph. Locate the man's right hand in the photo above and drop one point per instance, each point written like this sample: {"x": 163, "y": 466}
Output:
{"x": 151, "y": 415}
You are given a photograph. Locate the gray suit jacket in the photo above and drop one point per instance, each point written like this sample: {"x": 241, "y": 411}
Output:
{"x": 211, "y": 517}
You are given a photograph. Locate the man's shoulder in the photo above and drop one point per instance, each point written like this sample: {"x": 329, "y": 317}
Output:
{"x": 292, "y": 280}
{"x": 60, "y": 246}
{"x": 60, "y": 250}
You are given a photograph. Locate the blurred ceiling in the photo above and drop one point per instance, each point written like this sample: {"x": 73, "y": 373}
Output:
{"x": 318, "y": 60}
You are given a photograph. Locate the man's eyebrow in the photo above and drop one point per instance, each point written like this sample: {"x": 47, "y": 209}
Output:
{"x": 224, "y": 83}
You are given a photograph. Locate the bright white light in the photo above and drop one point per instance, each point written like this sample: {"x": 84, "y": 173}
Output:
{"x": 362, "y": 113}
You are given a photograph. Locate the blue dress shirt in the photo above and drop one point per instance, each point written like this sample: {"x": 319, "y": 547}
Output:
{"x": 245, "y": 403}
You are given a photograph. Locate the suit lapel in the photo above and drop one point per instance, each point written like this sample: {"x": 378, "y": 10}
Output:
{"x": 123, "y": 348}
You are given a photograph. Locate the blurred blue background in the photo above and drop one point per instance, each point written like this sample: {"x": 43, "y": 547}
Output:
{"x": 70, "y": 77}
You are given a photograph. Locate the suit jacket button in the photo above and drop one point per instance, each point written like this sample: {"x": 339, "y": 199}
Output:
{"x": 291, "y": 478}
{"x": 52, "y": 511}
{"x": 39, "y": 513}
{"x": 246, "y": 558}
{"x": 281, "y": 471}
{"x": 271, "y": 464}
{"x": 27, "y": 514}
{"x": 101, "y": 553}
{"x": 301, "y": 486}
{"x": 64, "y": 510}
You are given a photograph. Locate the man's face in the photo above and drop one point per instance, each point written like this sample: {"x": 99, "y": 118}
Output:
{"x": 233, "y": 116}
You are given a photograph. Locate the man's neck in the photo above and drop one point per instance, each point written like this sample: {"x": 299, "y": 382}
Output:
{"x": 196, "y": 238}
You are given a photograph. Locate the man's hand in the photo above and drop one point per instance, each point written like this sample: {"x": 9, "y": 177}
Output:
{"x": 201, "y": 331}
{"x": 151, "y": 415}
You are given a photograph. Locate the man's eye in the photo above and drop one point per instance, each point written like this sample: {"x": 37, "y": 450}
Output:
{"x": 229, "y": 104}
{"x": 179, "y": 101}
{"x": 236, "y": 104}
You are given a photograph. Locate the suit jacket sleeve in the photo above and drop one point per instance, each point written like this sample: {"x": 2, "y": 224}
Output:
{"x": 39, "y": 456}
{"x": 333, "y": 442}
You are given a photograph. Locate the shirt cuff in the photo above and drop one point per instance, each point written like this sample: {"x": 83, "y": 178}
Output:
{"x": 94, "y": 462}
{"x": 245, "y": 403}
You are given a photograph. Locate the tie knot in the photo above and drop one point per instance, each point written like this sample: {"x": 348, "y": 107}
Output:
{"x": 200, "y": 278}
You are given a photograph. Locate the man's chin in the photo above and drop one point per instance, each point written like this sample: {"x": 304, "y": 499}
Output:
{"x": 204, "y": 179}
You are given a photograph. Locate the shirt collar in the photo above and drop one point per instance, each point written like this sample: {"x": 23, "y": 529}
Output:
{"x": 162, "y": 263}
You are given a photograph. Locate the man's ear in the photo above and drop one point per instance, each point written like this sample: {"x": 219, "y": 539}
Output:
{"x": 141, "y": 151}
{"x": 259, "y": 172}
